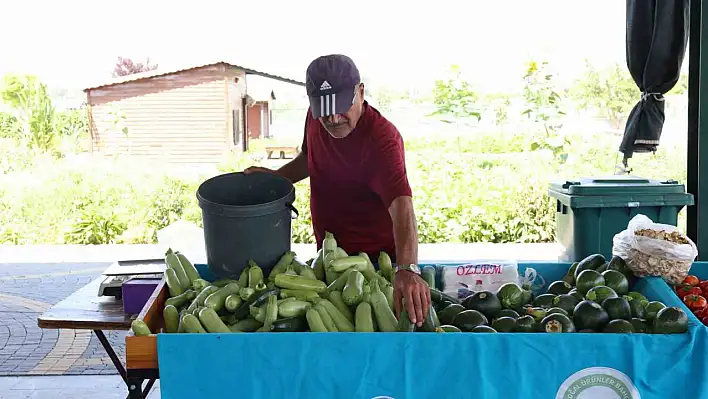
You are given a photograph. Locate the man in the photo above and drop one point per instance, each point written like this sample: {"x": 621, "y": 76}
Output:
{"x": 359, "y": 188}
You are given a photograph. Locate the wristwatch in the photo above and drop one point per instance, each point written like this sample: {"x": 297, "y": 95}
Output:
{"x": 411, "y": 268}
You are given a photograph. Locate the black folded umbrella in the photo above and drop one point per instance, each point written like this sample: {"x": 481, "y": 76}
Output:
{"x": 657, "y": 34}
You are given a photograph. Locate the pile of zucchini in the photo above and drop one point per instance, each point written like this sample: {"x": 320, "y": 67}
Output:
{"x": 332, "y": 292}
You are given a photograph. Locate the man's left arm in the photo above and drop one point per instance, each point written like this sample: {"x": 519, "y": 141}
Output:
{"x": 390, "y": 182}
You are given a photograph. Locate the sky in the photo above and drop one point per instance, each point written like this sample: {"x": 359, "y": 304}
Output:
{"x": 73, "y": 43}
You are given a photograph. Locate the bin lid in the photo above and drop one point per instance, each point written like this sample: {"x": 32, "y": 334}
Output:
{"x": 617, "y": 185}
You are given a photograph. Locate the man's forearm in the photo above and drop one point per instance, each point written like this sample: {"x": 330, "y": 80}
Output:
{"x": 405, "y": 230}
{"x": 296, "y": 169}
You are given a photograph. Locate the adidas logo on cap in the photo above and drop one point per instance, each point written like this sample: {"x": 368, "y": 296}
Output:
{"x": 325, "y": 86}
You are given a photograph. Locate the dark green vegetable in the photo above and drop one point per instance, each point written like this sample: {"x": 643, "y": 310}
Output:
{"x": 246, "y": 325}
{"x": 257, "y": 299}
{"x": 290, "y": 324}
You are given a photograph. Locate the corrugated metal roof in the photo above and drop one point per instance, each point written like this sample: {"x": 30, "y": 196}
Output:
{"x": 162, "y": 72}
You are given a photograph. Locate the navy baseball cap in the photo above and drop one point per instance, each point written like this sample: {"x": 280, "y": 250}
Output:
{"x": 331, "y": 84}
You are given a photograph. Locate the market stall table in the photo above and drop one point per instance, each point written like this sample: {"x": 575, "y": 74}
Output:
{"x": 84, "y": 310}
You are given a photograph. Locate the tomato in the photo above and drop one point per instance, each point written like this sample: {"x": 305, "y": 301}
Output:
{"x": 700, "y": 313}
{"x": 695, "y": 302}
{"x": 704, "y": 320}
{"x": 691, "y": 280}
{"x": 703, "y": 285}
{"x": 683, "y": 290}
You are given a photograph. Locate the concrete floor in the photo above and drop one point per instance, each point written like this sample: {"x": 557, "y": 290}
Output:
{"x": 62, "y": 387}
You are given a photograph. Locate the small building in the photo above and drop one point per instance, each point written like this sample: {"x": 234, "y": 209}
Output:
{"x": 193, "y": 115}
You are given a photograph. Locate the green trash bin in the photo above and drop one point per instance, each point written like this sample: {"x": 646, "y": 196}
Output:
{"x": 590, "y": 211}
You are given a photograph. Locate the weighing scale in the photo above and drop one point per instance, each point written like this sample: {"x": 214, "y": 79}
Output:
{"x": 123, "y": 270}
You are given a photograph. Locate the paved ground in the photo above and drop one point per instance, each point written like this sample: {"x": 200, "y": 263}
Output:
{"x": 52, "y": 387}
{"x": 26, "y": 290}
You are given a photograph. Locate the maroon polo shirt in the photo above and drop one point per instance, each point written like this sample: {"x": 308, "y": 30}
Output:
{"x": 354, "y": 180}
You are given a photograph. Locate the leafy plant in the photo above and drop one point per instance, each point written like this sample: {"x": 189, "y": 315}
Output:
{"x": 33, "y": 108}
{"x": 610, "y": 92}
{"x": 544, "y": 108}
{"x": 455, "y": 98}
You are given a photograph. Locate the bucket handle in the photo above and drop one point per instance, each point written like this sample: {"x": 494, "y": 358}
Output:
{"x": 294, "y": 210}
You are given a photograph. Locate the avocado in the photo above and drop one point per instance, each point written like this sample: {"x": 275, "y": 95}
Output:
{"x": 600, "y": 293}
{"x": 590, "y": 315}
{"x": 504, "y": 324}
{"x": 449, "y": 328}
{"x": 617, "y": 263}
{"x": 619, "y": 326}
{"x": 591, "y": 262}
{"x": 559, "y": 287}
{"x": 525, "y": 324}
{"x": 571, "y": 271}
{"x": 566, "y": 302}
{"x": 483, "y": 329}
{"x": 652, "y": 309}
{"x": 510, "y": 295}
{"x": 617, "y": 308}
{"x": 636, "y": 306}
{"x": 544, "y": 300}
{"x": 640, "y": 325}
{"x": 577, "y": 294}
{"x": 469, "y": 319}
{"x": 448, "y": 313}
{"x": 587, "y": 280}
{"x": 483, "y": 301}
{"x": 557, "y": 323}
{"x": 556, "y": 310}
{"x": 617, "y": 281}
{"x": 602, "y": 268}
{"x": 507, "y": 313}
{"x": 670, "y": 320}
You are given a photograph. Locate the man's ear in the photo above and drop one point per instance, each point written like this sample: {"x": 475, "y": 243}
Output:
{"x": 361, "y": 91}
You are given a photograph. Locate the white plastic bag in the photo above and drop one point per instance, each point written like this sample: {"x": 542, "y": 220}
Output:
{"x": 654, "y": 249}
{"x": 458, "y": 281}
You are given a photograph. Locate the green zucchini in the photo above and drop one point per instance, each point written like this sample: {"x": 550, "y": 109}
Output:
{"x": 189, "y": 269}
{"x": 319, "y": 265}
{"x": 298, "y": 266}
{"x": 303, "y": 295}
{"x": 255, "y": 274}
{"x": 329, "y": 244}
{"x": 232, "y": 302}
{"x": 196, "y": 311}
{"x": 172, "y": 262}
{"x": 202, "y": 296}
{"x": 290, "y": 324}
{"x": 314, "y": 321}
{"x": 192, "y": 324}
{"x": 199, "y": 284}
{"x": 299, "y": 283}
{"x": 257, "y": 299}
{"x": 271, "y": 312}
{"x": 216, "y": 300}
{"x": 290, "y": 271}
{"x": 221, "y": 283}
{"x": 211, "y": 321}
{"x": 404, "y": 322}
{"x": 388, "y": 292}
{"x": 340, "y": 253}
{"x": 336, "y": 298}
{"x": 171, "y": 317}
{"x": 282, "y": 264}
{"x": 386, "y": 266}
{"x": 364, "y": 319}
{"x": 246, "y": 293}
{"x": 308, "y": 273}
{"x": 243, "y": 279}
{"x": 439, "y": 297}
{"x": 182, "y": 299}
{"x": 326, "y": 318}
{"x": 337, "y": 317}
{"x": 246, "y": 325}
{"x": 340, "y": 282}
{"x": 428, "y": 274}
{"x": 366, "y": 297}
{"x": 140, "y": 329}
{"x": 385, "y": 319}
{"x": 354, "y": 289}
{"x": 292, "y": 307}
{"x": 173, "y": 283}
{"x": 342, "y": 264}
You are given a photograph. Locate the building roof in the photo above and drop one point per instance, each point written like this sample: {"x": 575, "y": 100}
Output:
{"x": 163, "y": 72}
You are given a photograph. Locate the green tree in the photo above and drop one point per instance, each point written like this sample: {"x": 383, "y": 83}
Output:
{"x": 28, "y": 97}
{"x": 681, "y": 86}
{"x": 610, "y": 92}
{"x": 545, "y": 109}
{"x": 454, "y": 97}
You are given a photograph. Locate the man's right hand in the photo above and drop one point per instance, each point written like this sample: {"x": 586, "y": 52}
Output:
{"x": 253, "y": 169}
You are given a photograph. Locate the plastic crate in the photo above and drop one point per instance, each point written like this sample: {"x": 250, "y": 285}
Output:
{"x": 590, "y": 211}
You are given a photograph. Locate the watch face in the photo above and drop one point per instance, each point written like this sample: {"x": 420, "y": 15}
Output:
{"x": 411, "y": 268}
